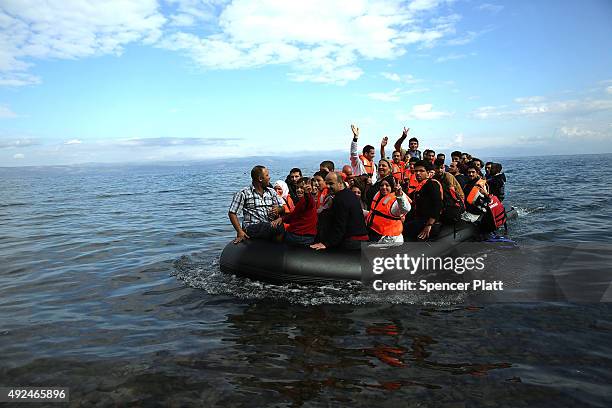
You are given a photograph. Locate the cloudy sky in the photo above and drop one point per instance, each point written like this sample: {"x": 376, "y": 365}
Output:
{"x": 145, "y": 80}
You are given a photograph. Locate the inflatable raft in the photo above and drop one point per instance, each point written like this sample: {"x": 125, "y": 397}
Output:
{"x": 280, "y": 263}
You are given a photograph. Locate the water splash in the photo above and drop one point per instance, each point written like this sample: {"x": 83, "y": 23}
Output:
{"x": 526, "y": 211}
{"x": 206, "y": 275}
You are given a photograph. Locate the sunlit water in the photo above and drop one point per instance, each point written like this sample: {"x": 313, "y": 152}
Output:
{"x": 110, "y": 285}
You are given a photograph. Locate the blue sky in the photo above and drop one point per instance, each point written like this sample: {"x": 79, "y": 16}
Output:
{"x": 145, "y": 80}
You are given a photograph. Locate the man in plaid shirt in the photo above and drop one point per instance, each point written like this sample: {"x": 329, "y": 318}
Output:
{"x": 261, "y": 208}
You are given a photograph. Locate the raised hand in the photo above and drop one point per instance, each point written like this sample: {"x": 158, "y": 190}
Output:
{"x": 355, "y": 130}
{"x": 405, "y": 132}
{"x": 384, "y": 141}
{"x": 398, "y": 189}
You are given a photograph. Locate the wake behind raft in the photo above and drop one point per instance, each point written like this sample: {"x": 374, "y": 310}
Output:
{"x": 281, "y": 263}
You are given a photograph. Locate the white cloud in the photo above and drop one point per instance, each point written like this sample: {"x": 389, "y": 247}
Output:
{"x": 392, "y": 96}
{"x": 532, "y": 108}
{"x": 405, "y": 78}
{"x": 172, "y": 141}
{"x": 458, "y": 140}
{"x": 609, "y": 89}
{"x": 18, "y": 79}
{"x": 487, "y": 112}
{"x": 423, "y": 112}
{"x": 73, "y": 142}
{"x": 18, "y": 156}
{"x": 32, "y": 29}
{"x": 492, "y": 8}
{"x": 529, "y": 99}
{"x": 414, "y": 90}
{"x": 468, "y": 37}
{"x": 188, "y": 13}
{"x": 6, "y": 112}
{"x": 575, "y": 131}
{"x": 451, "y": 57}
{"x": 21, "y": 142}
{"x": 321, "y": 41}
{"x": 391, "y": 76}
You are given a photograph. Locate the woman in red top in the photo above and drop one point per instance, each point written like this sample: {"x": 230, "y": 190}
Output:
{"x": 303, "y": 219}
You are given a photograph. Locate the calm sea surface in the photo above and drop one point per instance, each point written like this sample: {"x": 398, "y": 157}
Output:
{"x": 110, "y": 285}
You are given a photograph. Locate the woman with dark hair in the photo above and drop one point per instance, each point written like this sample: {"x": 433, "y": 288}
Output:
{"x": 359, "y": 189}
{"x": 301, "y": 223}
{"x": 384, "y": 221}
{"x": 384, "y": 170}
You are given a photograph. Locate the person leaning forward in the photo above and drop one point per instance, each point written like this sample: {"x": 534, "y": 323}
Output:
{"x": 347, "y": 227}
{"x": 260, "y": 206}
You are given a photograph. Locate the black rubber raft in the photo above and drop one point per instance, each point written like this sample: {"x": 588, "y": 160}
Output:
{"x": 281, "y": 263}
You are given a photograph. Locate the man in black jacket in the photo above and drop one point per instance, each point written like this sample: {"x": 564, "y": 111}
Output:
{"x": 426, "y": 205}
{"x": 346, "y": 226}
{"x": 497, "y": 181}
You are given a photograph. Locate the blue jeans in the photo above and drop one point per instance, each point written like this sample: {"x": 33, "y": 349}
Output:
{"x": 295, "y": 239}
{"x": 263, "y": 230}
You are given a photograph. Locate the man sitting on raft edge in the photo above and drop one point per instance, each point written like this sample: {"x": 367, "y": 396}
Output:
{"x": 261, "y": 208}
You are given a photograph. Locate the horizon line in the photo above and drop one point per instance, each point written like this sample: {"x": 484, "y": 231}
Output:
{"x": 195, "y": 161}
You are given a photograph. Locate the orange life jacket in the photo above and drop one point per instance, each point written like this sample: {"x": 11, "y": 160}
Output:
{"x": 379, "y": 218}
{"x": 321, "y": 195}
{"x": 479, "y": 189}
{"x": 420, "y": 185}
{"x": 368, "y": 164}
{"x": 407, "y": 172}
{"x": 288, "y": 206}
{"x": 413, "y": 184}
{"x": 398, "y": 171}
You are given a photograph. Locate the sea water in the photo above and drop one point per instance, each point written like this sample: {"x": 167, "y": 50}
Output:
{"x": 110, "y": 285}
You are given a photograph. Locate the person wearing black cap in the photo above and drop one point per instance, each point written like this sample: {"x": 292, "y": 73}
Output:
{"x": 421, "y": 222}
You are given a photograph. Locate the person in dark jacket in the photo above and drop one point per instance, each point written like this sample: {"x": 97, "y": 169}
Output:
{"x": 346, "y": 228}
{"x": 497, "y": 181}
{"x": 421, "y": 222}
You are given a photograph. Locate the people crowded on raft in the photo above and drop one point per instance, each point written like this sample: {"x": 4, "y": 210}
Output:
{"x": 399, "y": 198}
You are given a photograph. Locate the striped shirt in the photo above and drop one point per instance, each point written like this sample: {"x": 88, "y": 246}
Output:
{"x": 255, "y": 207}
